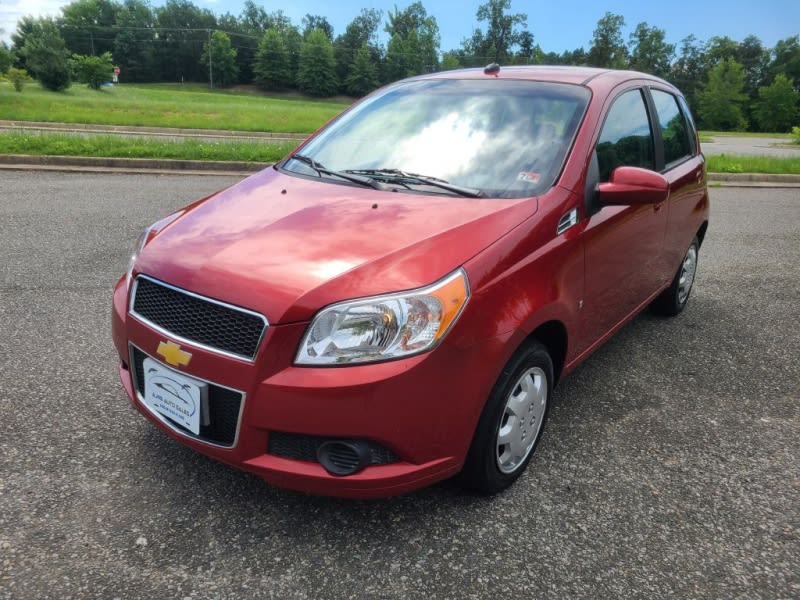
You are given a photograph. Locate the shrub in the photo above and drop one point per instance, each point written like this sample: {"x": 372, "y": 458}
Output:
{"x": 18, "y": 78}
{"x": 94, "y": 71}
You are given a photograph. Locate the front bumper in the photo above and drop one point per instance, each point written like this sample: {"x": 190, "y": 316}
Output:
{"x": 424, "y": 409}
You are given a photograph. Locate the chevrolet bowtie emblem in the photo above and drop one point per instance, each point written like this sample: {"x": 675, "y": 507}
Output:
{"x": 173, "y": 354}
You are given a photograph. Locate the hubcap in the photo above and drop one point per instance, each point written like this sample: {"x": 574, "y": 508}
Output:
{"x": 521, "y": 420}
{"x": 686, "y": 278}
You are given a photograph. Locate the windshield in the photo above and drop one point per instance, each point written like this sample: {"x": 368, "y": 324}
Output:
{"x": 498, "y": 138}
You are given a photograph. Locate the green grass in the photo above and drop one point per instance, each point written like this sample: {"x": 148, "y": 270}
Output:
{"x": 122, "y": 147}
{"x": 190, "y": 106}
{"x": 707, "y": 135}
{"x": 724, "y": 163}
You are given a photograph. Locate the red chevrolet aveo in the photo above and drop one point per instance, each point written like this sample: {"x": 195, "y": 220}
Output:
{"x": 392, "y": 304}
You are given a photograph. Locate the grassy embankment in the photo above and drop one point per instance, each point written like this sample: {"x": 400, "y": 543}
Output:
{"x": 177, "y": 106}
{"x": 725, "y": 163}
{"x": 174, "y": 106}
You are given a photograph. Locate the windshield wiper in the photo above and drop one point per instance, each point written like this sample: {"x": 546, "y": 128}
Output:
{"x": 404, "y": 178}
{"x": 354, "y": 177}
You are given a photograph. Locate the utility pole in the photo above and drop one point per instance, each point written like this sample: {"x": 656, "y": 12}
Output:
{"x": 210, "y": 61}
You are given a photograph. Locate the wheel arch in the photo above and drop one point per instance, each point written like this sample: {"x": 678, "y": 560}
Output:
{"x": 701, "y": 233}
{"x": 553, "y": 336}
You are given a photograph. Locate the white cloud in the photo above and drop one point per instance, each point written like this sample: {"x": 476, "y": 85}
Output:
{"x": 12, "y": 10}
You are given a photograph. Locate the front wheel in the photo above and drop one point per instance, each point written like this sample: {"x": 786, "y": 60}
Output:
{"x": 673, "y": 300}
{"x": 511, "y": 423}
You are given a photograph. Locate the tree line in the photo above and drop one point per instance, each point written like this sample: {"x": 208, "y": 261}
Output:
{"x": 730, "y": 85}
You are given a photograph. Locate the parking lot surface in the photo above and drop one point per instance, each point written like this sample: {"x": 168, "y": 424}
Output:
{"x": 751, "y": 146}
{"x": 670, "y": 466}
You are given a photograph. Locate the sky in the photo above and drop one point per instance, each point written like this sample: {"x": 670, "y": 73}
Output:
{"x": 556, "y": 25}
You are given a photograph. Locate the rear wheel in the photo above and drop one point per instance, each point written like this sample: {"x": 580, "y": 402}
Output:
{"x": 511, "y": 423}
{"x": 674, "y": 299}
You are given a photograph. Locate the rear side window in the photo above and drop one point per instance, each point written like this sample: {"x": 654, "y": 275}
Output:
{"x": 626, "y": 138}
{"x": 690, "y": 121}
{"x": 677, "y": 146}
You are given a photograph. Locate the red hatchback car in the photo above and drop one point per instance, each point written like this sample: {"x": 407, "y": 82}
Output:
{"x": 392, "y": 304}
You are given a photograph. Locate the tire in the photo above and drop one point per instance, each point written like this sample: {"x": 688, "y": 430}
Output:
{"x": 504, "y": 439}
{"x": 673, "y": 300}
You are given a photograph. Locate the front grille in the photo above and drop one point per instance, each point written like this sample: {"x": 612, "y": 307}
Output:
{"x": 304, "y": 447}
{"x": 198, "y": 320}
{"x": 224, "y": 406}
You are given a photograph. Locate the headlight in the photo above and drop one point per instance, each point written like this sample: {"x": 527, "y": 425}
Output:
{"x": 384, "y": 327}
{"x": 136, "y": 250}
{"x": 144, "y": 238}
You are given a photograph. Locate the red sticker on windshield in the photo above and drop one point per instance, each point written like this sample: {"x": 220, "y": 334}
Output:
{"x": 528, "y": 177}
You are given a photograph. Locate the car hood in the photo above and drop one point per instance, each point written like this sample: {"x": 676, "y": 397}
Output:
{"x": 286, "y": 246}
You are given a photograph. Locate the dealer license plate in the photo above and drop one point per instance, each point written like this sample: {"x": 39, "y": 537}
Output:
{"x": 174, "y": 395}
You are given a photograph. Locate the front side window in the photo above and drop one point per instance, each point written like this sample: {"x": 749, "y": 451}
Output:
{"x": 626, "y": 139}
{"x": 503, "y": 138}
{"x": 677, "y": 146}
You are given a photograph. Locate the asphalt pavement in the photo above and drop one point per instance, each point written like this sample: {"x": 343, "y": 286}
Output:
{"x": 670, "y": 467}
{"x": 751, "y": 146}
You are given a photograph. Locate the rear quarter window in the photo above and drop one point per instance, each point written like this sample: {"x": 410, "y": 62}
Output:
{"x": 678, "y": 144}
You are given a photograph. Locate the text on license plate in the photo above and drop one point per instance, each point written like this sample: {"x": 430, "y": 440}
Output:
{"x": 174, "y": 395}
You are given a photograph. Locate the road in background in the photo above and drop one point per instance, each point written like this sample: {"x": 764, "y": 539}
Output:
{"x": 670, "y": 466}
{"x": 751, "y": 146}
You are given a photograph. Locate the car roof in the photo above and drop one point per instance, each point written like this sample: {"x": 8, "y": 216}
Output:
{"x": 587, "y": 76}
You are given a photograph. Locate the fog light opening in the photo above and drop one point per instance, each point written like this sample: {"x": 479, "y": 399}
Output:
{"x": 344, "y": 457}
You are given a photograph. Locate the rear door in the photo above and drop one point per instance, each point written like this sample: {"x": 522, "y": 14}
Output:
{"x": 623, "y": 244}
{"x": 684, "y": 168}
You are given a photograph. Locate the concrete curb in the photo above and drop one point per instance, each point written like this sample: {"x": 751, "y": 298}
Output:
{"x": 753, "y": 178}
{"x": 215, "y": 167}
{"x": 135, "y": 165}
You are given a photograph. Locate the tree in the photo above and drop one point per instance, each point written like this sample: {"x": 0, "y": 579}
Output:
{"x": 312, "y": 22}
{"x": 25, "y": 26}
{"x": 754, "y": 58}
{"x": 272, "y": 67}
{"x": 220, "y": 58}
{"x": 363, "y": 76}
{"x": 400, "y": 58}
{"x": 182, "y": 34}
{"x": 250, "y": 26}
{"x": 608, "y": 49}
{"x": 720, "y": 48}
{"x": 242, "y": 40}
{"x": 134, "y": 41}
{"x": 503, "y": 32}
{"x": 777, "y": 109}
{"x": 6, "y": 58}
{"x": 688, "y": 72}
{"x": 649, "y": 52}
{"x": 449, "y": 62}
{"x": 94, "y": 71}
{"x": 361, "y": 30}
{"x": 316, "y": 74}
{"x": 416, "y": 35}
{"x": 46, "y": 56}
{"x": 785, "y": 59}
{"x": 721, "y": 99}
{"x": 574, "y": 57}
{"x": 87, "y": 26}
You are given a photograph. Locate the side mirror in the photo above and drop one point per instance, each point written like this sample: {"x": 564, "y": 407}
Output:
{"x": 632, "y": 185}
